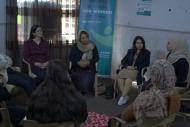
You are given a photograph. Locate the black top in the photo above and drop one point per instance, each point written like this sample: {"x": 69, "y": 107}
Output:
{"x": 181, "y": 70}
{"x": 142, "y": 60}
{"x": 76, "y": 55}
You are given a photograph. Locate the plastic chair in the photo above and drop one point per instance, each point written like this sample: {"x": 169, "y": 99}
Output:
{"x": 33, "y": 123}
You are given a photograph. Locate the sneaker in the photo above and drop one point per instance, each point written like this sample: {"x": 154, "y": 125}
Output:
{"x": 123, "y": 100}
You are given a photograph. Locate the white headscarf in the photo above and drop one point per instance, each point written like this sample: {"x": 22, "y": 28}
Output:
{"x": 179, "y": 49}
{"x": 87, "y": 50}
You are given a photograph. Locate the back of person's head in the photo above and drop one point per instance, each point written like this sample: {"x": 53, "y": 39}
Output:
{"x": 162, "y": 75}
{"x": 33, "y": 30}
{"x": 57, "y": 72}
{"x": 135, "y": 41}
{"x": 55, "y": 99}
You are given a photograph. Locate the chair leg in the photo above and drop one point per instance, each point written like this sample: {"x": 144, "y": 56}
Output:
{"x": 115, "y": 83}
{"x": 96, "y": 85}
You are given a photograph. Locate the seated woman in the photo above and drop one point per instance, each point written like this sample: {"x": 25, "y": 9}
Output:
{"x": 16, "y": 113}
{"x": 55, "y": 100}
{"x": 137, "y": 58}
{"x": 83, "y": 57}
{"x": 14, "y": 77}
{"x": 179, "y": 57}
{"x": 160, "y": 100}
{"x": 36, "y": 52}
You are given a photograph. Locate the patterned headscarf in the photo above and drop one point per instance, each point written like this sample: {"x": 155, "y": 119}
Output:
{"x": 153, "y": 102}
{"x": 87, "y": 50}
{"x": 162, "y": 75}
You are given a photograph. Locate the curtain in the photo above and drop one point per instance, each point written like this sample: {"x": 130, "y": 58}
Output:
{"x": 57, "y": 18}
{"x": 11, "y": 30}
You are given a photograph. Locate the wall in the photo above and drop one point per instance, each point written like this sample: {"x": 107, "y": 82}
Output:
{"x": 2, "y": 25}
{"x": 161, "y": 14}
{"x": 124, "y": 35}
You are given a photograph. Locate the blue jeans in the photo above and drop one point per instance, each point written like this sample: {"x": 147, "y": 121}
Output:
{"x": 40, "y": 73}
{"x": 83, "y": 80}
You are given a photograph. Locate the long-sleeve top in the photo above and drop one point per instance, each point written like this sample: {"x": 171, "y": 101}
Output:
{"x": 36, "y": 53}
{"x": 142, "y": 60}
{"x": 181, "y": 70}
{"x": 76, "y": 55}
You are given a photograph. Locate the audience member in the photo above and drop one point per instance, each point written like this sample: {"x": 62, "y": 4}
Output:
{"x": 14, "y": 77}
{"x": 36, "y": 52}
{"x": 160, "y": 100}
{"x": 55, "y": 99}
{"x": 83, "y": 56}
{"x": 136, "y": 58}
{"x": 179, "y": 57}
{"x": 16, "y": 113}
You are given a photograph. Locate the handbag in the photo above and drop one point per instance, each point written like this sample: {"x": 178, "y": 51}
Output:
{"x": 129, "y": 73}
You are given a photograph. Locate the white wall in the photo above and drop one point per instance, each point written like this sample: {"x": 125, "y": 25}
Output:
{"x": 2, "y": 25}
{"x": 124, "y": 35}
{"x": 165, "y": 14}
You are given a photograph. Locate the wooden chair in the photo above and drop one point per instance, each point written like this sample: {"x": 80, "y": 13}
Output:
{"x": 33, "y": 123}
{"x": 26, "y": 68}
{"x": 6, "y": 122}
{"x": 155, "y": 122}
{"x": 185, "y": 98}
{"x": 147, "y": 122}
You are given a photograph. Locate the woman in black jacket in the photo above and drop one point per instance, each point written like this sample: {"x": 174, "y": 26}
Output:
{"x": 137, "y": 58}
{"x": 83, "y": 57}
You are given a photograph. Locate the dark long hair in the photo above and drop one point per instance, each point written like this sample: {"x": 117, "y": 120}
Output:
{"x": 83, "y": 32}
{"x": 56, "y": 100}
{"x": 143, "y": 42}
{"x": 33, "y": 30}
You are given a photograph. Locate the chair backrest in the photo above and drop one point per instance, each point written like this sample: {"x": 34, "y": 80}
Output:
{"x": 156, "y": 122}
{"x": 5, "y": 117}
{"x": 127, "y": 73}
{"x": 33, "y": 123}
{"x": 147, "y": 122}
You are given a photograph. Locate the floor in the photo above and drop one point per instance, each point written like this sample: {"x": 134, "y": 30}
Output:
{"x": 109, "y": 107}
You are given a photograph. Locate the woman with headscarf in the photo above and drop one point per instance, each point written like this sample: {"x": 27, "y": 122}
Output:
{"x": 83, "y": 57}
{"x": 179, "y": 57}
{"x": 160, "y": 100}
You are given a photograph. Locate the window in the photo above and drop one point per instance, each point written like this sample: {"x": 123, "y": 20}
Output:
{"x": 57, "y": 17}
